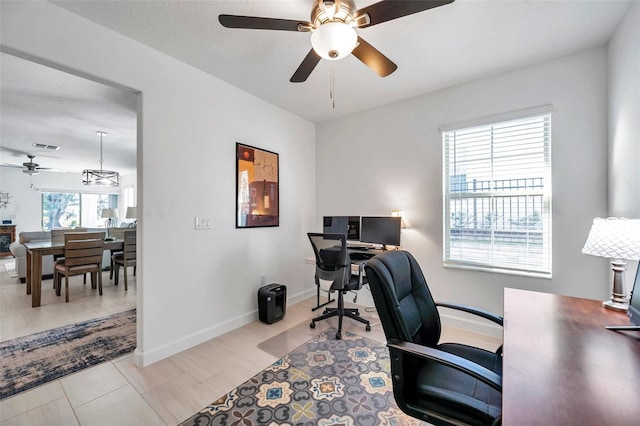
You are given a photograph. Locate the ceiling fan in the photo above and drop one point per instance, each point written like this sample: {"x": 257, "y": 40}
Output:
{"x": 30, "y": 167}
{"x": 332, "y": 29}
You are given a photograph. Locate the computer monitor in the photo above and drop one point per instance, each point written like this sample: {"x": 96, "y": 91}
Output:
{"x": 634, "y": 307}
{"x": 383, "y": 230}
{"x": 348, "y": 225}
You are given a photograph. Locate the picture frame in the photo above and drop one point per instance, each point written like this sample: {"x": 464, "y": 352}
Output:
{"x": 257, "y": 187}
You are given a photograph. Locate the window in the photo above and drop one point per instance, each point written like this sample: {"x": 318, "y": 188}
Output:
{"x": 129, "y": 195}
{"x": 72, "y": 209}
{"x": 497, "y": 187}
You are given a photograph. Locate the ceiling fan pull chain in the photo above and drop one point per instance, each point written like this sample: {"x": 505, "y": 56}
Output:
{"x": 332, "y": 78}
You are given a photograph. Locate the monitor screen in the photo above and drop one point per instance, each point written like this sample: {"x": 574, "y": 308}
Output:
{"x": 634, "y": 304}
{"x": 380, "y": 230}
{"x": 348, "y": 225}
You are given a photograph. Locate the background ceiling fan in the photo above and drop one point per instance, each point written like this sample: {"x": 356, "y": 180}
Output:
{"x": 30, "y": 167}
{"x": 332, "y": 29}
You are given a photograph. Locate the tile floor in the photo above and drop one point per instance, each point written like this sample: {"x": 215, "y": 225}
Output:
{"x": 20, "y": 319}
{"x": 171, "y": 390}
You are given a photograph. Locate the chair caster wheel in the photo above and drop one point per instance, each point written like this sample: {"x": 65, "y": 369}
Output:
{"x": 338, "y": 336}
{"x": 312, "y": 325}
{"x": 368, "y": 328}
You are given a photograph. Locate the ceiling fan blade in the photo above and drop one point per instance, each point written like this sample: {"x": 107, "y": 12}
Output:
{"x": 372, "y": 58}
{"x": 384, "y": 11}
{"x": 304, "y": 70}
{"x": 13, "y": 152}
{"x": 257, "y": 23}
{"x": 50, "y": 169}
{"x": 15, "y": 166}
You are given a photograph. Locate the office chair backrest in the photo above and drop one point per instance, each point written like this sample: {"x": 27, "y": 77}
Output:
{"x": 403, "y": 300}
{"x": 332, "y": 258}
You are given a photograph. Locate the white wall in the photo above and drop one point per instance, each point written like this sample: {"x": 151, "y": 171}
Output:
{"x": 391, "y": 158}
{"x": 623, "y": 60}
{"x": 624, "y": 116}
{"x": 193, "y": 285}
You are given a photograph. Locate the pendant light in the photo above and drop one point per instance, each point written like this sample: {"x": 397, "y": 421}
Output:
{"x": 100, "y": 177}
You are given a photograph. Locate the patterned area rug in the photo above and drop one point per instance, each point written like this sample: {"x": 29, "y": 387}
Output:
{"x": 39, "y": 358}
{"x": 323, "y": 382}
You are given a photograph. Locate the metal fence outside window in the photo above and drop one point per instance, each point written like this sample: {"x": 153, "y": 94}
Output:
{"x": 501, "y": 211}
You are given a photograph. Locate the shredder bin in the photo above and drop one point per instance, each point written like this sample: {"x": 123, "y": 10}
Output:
{"x": 272, "y": 303}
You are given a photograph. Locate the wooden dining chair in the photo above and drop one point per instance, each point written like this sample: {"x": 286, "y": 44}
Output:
{"x": 82, "y": 254}
{"x": 126, "y": 258}
{"x": 118, "y": 234}
{"x": 57, "y": 237}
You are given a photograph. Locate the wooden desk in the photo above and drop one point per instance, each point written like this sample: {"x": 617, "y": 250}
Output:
{"x": 562, "y": 367}
{"x": 35, "y": 251}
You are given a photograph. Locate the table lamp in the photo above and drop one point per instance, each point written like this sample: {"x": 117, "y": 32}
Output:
{"x": 618, "y": 239}
{"x": 132, "y": 213}
{"x": 110, "y": 215}
{"x": 400, "y": 214}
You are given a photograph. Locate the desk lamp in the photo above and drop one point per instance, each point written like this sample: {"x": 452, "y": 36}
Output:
{"x": 618, "y": 239}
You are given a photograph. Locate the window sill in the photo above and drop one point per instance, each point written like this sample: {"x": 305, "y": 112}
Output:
{"x": 497, "y": 270}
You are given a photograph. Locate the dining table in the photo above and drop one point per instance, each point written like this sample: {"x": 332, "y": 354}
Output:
{"x": 35, "y": 251}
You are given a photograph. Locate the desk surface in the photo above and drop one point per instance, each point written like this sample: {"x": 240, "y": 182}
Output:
{"x": 562, "y": 367}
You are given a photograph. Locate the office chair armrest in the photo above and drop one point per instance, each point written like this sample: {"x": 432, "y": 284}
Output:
{"x": 475, "y": 311}
{"x": 461, "y": 364}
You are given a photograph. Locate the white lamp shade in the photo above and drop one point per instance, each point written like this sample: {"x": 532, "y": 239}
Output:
{"x": 615, "y": 238}
{"x": 132, "y": 212}
{"x": 334, "y": 40}
{"x": 108, "y": 213}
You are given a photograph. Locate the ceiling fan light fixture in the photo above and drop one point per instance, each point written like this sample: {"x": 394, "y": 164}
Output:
{"x": 100, "y": 177}
{"x": 334, "y": 40}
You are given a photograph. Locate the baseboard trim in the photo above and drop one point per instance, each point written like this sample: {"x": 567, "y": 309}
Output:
{"x": 146, "y": 358}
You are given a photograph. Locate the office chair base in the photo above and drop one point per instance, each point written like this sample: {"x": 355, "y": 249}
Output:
{"x": 352, "y": 313}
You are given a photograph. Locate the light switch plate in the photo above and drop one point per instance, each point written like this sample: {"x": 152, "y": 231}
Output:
{"x": 204, "y": 222}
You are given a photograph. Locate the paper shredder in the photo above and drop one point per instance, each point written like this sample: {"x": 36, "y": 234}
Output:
{"x": 272, "y": 303}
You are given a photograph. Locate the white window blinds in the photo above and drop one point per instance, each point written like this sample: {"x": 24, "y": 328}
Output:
{"x": 497, "y": 186}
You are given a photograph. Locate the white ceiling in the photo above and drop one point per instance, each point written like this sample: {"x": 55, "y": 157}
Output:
{"x": 42, "y": 105}
{"x": 448, "y": 45}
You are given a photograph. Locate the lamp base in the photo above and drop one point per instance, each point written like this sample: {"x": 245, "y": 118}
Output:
{"x": 616, "y": 306}
{"x": 619, "y": 301}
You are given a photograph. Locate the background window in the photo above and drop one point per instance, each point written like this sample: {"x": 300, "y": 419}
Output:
{"x": 72, "y": 209}
{"x": 497, "y": 190}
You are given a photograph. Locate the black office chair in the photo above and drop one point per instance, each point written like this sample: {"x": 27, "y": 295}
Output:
{"x": 441, "y": 383}
{"x": 334, "y": 265}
